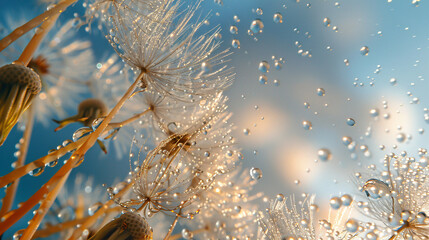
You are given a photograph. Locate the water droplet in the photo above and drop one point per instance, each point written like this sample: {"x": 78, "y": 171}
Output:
{"x": 307, "y": 125}
{"x": 66, "y": 214}
{"x": 278, "y": 18}
{"x": 352, "y": 225}
{"x": 264, "y": 66}
{"x": 374, "y": 112}
{"x": 235, "y": 43}
{"x": 233, "y": 29}
{"x": 364, "y": 50}
{"x": 324, "y": 154}
{"x": 280, "y": 197}
{"x": 320, "y": 92}
{"x": 81, "y": 132}
{"x": 187, "y": 234}
{"x": 259, "y": 11}
{"x": 347, "y": 140}
{"x": 327, "y": 22}
{"x": 375, "y": 189}
{"x": 246, "y": 131}
{"x": 94, "y": 208}
{"x": 335, "y": 202}
{"x": 346, "y": 62}
{"x": 346, "y": 200}
{"x": 206, "y": 67}
{"x": 37, "y": 172}
{"x": 350, "y": 121}
{"x": 256, "y": 26}
{"x": 393, "y": 81}
{"x": 218, "y": 36}
{"x": 263, "y": 79}
{"x": 256, "y": 173}
{"x": 236, "y": 19}
{"x": 276, "y": 82}
{"x": 400, "y": 137}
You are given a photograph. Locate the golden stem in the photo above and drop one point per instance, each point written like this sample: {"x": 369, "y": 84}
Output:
{"x": 43, "y": 209}
{"x": 34, "y": 43}
{"x": 11, "y": 190}
{"x": 43, "y": 233}
{"x": 100, "y": 129}
{"x": 105, "y": 208}
{"x": 130, "y": 120}
{"x": 173, "y": 225}
{"x": 62, "y": 174}
{"x": 18, "y": 32}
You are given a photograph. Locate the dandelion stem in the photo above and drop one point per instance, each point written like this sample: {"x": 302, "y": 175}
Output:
{"x": 100, "y": 129}
{"x": 173, "y": 225}
{"x": 62, "y": 174}
{"x": 130, "y": 120}
{"x": 11, "y": 190}
{"x": 43, "y": 209}
{"x": 34, "y": 43}
{"x": 89, "y": 221}
{"x": 18, "y": 32}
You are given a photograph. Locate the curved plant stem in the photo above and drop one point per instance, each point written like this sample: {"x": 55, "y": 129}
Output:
{"x": 173, "y": 225}
{"x": 18, "y": 32}
{"x": 22, "y": 171}
{"x": 48, "y": 231}
{"x": 104, "y": 209}
{"x": 61, "y": 175}
{"x": 34, "y": 43}
{"x": 43, "y": 209}
{"x": 130, "y": 120}
{"x": 11, "y": 190}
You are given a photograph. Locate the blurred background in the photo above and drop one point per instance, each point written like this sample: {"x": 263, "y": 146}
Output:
{"x": 323, "y": 89}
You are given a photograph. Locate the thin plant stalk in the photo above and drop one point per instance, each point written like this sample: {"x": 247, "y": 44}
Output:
{"x": 173, "y": 225}
{"x": 35, "y": 41}
{"x": 18, "y": 32}
{"x": 62, "y": 174}
{"x": 104, "y": 209}
{"x": 11, "y": 190}
{"x": 21, "y": 171}
{"x": 43, "y": 209}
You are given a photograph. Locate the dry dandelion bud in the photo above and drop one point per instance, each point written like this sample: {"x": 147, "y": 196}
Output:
{"x": 128, "y": 226}
{"x": 88, "y": 111}
{"x": 18, "y": 86}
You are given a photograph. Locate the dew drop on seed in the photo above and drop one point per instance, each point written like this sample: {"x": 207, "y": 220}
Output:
{"x": 324, "y": 154}
{"x": 352, "y": 225}
{"x": 264, "y": 66}
{"x": 187, "y": 234}
{"x": 280, "y": 197}
{"x": 278, "y": 18}
{"x": 307, "y": 125}
{"x": 255, "y": 173}
{"x": 346, "y": 200}
{"x": 364, "y": 50}
{"x": 350, "y": 121}
{"x": 335, "y": 202}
